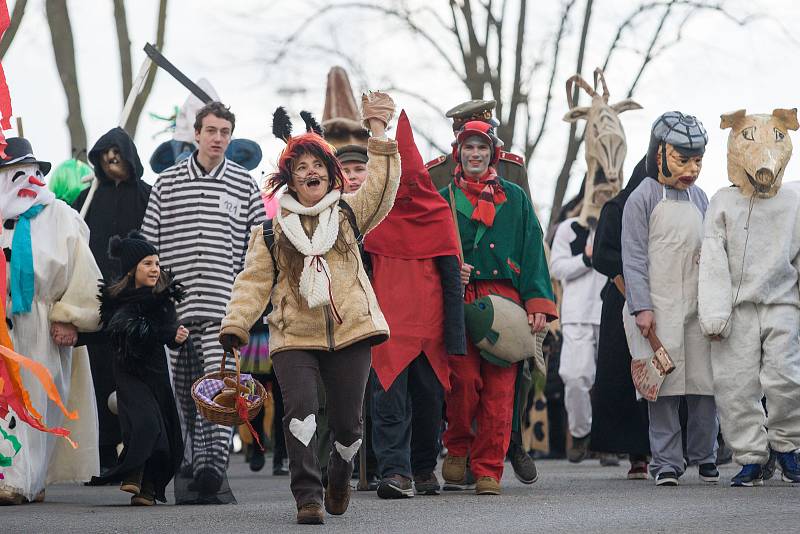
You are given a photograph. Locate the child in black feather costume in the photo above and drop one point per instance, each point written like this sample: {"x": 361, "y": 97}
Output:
{"x": 138, "y": 317}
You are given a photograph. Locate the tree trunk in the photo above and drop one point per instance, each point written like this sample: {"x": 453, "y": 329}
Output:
{"x": 573, "y": 142}
{"x": 64, "y": 50}
{"x": 16, "y": 19}
{"x": 133, "y": 120}
{"x": 508, "y": 127}
{"x": 124, "y": 43}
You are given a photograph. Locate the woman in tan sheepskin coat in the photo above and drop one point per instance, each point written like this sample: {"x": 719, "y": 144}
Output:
{"x": 324, "y": 314}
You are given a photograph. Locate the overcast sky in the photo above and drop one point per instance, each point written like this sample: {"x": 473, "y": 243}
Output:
{"x": 717, "y": 67}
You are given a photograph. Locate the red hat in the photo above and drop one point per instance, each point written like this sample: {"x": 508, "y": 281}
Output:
{"x": 479, "y": 129}
{"x": 420, "y": 224}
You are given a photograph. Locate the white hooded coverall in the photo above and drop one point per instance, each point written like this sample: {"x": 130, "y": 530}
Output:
{"x": 759, "y": 353}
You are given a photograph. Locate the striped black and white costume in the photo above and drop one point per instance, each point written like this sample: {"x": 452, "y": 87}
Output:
{"x": 200, "y": 222}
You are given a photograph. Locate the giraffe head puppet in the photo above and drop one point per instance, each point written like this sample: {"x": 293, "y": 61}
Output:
{"x": 759, "y": 149}
{"x": 605, "y": 145}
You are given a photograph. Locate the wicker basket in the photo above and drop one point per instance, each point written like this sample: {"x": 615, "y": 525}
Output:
{"x": 219, "y": 414}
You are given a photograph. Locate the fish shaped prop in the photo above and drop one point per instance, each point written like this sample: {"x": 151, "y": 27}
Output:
{"x": 499, "y": 328}
{"x": 648, "y": 373}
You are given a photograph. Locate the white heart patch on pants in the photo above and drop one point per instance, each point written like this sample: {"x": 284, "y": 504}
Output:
{"x": 303, "y": 430}
{"x": 347, "y": 453}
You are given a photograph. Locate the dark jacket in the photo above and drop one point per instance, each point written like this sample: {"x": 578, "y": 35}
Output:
{"x": 115, "y": 209}
{"x": 138, "y": 323}
{"x": 619, "y": 422}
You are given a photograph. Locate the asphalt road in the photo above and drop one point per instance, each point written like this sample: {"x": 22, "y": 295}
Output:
{"x": 567, "y": 498}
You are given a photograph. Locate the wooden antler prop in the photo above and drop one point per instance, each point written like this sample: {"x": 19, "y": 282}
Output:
{"x": 599, "y": 75}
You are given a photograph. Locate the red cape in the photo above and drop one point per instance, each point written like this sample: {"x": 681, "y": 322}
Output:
{"x": 405, "y": 277}
{"x": 409, "y": 293}
{"x": 420, "y": 224}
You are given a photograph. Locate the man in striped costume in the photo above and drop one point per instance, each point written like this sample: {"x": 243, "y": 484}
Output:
{"x": 199, "y": 216}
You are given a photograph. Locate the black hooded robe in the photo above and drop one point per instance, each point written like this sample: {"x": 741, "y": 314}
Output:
{"x": 115, "y": 210}
{"x": 619, "y": 421}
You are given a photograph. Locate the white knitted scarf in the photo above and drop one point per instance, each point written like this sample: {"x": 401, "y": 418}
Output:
{"x": 315, "y": 279}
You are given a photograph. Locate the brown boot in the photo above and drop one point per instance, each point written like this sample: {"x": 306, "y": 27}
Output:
{"x": 145, "y": 497}
{"x": 132, "y": 483}
{"x": 487, "y": 486}
{"x": 310, "y": 514}
{"x": 454, "y": 469}
{"x": 10, "y": 498}
{"x": 337, "y": 500}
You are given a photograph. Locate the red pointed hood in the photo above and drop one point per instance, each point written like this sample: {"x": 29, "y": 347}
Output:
{"x": 420, "y": 224}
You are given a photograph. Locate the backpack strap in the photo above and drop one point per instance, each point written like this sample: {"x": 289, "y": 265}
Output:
{"x": 269, "y": 240}
{"x": 269, "y": 234}
{"x": 366, "y": 259}
{"x": 351, "y": 217}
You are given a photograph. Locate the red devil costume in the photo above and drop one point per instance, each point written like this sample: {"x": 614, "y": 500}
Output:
{"x": 414, "y": 254}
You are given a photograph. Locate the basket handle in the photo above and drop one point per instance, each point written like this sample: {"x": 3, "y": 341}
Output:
{"x": 235, "y": 353}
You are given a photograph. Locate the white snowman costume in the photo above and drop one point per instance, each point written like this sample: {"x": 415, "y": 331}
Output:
{"x": 65, "y": 290}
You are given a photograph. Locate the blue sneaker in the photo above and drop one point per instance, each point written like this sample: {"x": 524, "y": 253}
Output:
{"x": 789, "y": 466}
{"x": 750, "y": 475}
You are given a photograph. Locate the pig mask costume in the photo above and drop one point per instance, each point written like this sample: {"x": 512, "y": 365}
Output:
{"x": 749, "y": 303}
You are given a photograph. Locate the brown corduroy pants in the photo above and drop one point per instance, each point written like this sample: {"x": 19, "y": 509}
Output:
{"x": 344, "y": 374}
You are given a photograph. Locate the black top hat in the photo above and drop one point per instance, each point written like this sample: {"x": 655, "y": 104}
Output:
{"x": 19, "y": 152}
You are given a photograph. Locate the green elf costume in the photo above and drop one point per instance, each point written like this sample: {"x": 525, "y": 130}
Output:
{"x": 502, "y": 240}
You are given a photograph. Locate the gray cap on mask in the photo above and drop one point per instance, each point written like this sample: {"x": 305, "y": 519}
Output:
{"x": 684, "y": 132}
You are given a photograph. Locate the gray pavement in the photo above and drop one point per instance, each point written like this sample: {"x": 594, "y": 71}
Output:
{"x": 567, "y": 498}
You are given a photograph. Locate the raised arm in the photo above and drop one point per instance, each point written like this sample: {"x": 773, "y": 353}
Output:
{"x": 376, "y": 197}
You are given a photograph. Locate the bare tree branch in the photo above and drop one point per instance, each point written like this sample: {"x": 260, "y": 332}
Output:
{"x": 476, "y": 77}
{"x": 417, "y": 96}
{"x": 402, "y": 16}
{"x": 64, "y": 50}
{"x": 16, "y": 19}
{"x": 431, "y": 141}
{"x": 138, "y": 105}
{"x": 649, "y": 53}
{"x": 508, "y": 127}
{"x": 629, "y": 21}
{"x": 124, "y": 43}
{"x": 572, "y": 141}
{"x": 435, "y": 15}
{"x": 530, "y": 147}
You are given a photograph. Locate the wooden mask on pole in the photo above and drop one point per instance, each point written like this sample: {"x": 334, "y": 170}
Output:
{"x": 605, "y": 146}
{"x": 759, "y": 149}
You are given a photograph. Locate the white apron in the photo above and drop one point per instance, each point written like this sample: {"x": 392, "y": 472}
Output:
{"x": 676, "y": 233}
